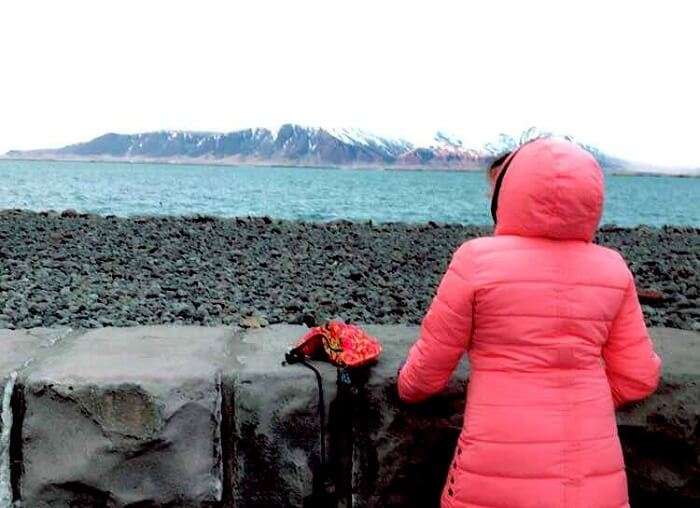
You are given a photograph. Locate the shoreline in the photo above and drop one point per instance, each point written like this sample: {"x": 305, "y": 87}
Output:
{"x": 272, "y": 164}
{"x": 84, "y": 270}
{"x": 235, "y": 163}
{"x": 204, "y": 216}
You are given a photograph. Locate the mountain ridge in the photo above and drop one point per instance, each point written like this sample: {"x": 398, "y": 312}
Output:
{"x": 296, "y": 145}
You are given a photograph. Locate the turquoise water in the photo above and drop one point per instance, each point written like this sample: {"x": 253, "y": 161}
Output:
{"x": 309, "y": 193}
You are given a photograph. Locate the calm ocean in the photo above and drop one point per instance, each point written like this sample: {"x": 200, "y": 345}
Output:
{"x": 309, "y": 194}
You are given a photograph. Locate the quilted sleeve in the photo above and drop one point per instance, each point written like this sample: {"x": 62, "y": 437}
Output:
{"x": 633, "y": 368}
{"x": 444, "y": 333}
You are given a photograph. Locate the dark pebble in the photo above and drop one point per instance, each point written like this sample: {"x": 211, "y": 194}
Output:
{"x": 86, "y": 270}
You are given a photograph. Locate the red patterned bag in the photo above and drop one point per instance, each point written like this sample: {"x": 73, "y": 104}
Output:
{"x": 342, "y": 344}
{"x": 345, "y": 346}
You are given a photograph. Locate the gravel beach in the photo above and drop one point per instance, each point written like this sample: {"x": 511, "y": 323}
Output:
{"x": 90, "y": 271}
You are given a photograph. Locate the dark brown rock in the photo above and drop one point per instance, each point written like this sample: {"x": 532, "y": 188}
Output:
{"x": 650, "y": 296}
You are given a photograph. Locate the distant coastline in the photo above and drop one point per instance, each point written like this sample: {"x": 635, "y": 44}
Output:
{"x": 281, "y": 164}
{"x": 248, "y": 163}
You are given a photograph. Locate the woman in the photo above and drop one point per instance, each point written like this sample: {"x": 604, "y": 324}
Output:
{"x": 555, "y": 337}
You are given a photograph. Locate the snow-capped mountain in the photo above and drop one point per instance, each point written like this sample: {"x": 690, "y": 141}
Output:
{"x": 291, "y": 144}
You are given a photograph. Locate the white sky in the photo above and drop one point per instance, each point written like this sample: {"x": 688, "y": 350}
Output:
{"x": 621, "y": 74}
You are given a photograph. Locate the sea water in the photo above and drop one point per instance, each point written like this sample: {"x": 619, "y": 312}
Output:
{"x": 310, "y": 194}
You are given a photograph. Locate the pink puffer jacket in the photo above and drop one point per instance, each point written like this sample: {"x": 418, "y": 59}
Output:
{"x": 555, "y": 338}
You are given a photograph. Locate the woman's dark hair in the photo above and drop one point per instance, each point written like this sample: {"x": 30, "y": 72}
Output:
{"x": 507, "y": 159}
{"x": 491, "y": 172}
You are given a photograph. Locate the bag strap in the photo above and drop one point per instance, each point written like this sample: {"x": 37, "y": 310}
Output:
{"x": 320, "y": 494}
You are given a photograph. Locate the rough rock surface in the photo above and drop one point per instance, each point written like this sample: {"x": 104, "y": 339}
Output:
{"x": 19, "y": 348}
{"x": 276, "y": 445}
{"x": 89, "y": 271}
{"x": 209, "y": 417}
{"x": 17, "y": 351}
{"x": 661, "y": 436}
{"x": 402, "y": 452}
{"x": 125, "y": 417}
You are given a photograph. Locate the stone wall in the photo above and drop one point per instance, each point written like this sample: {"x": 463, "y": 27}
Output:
{"x": 209, "y": 417}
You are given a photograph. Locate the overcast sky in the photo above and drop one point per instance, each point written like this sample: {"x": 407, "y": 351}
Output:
{"x": 623, "y": 74}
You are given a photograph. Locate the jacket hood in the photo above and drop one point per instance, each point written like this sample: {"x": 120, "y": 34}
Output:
{"x": 551, "y": 189}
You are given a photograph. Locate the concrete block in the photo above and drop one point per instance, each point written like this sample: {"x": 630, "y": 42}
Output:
{"x": 126, "y": 417}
